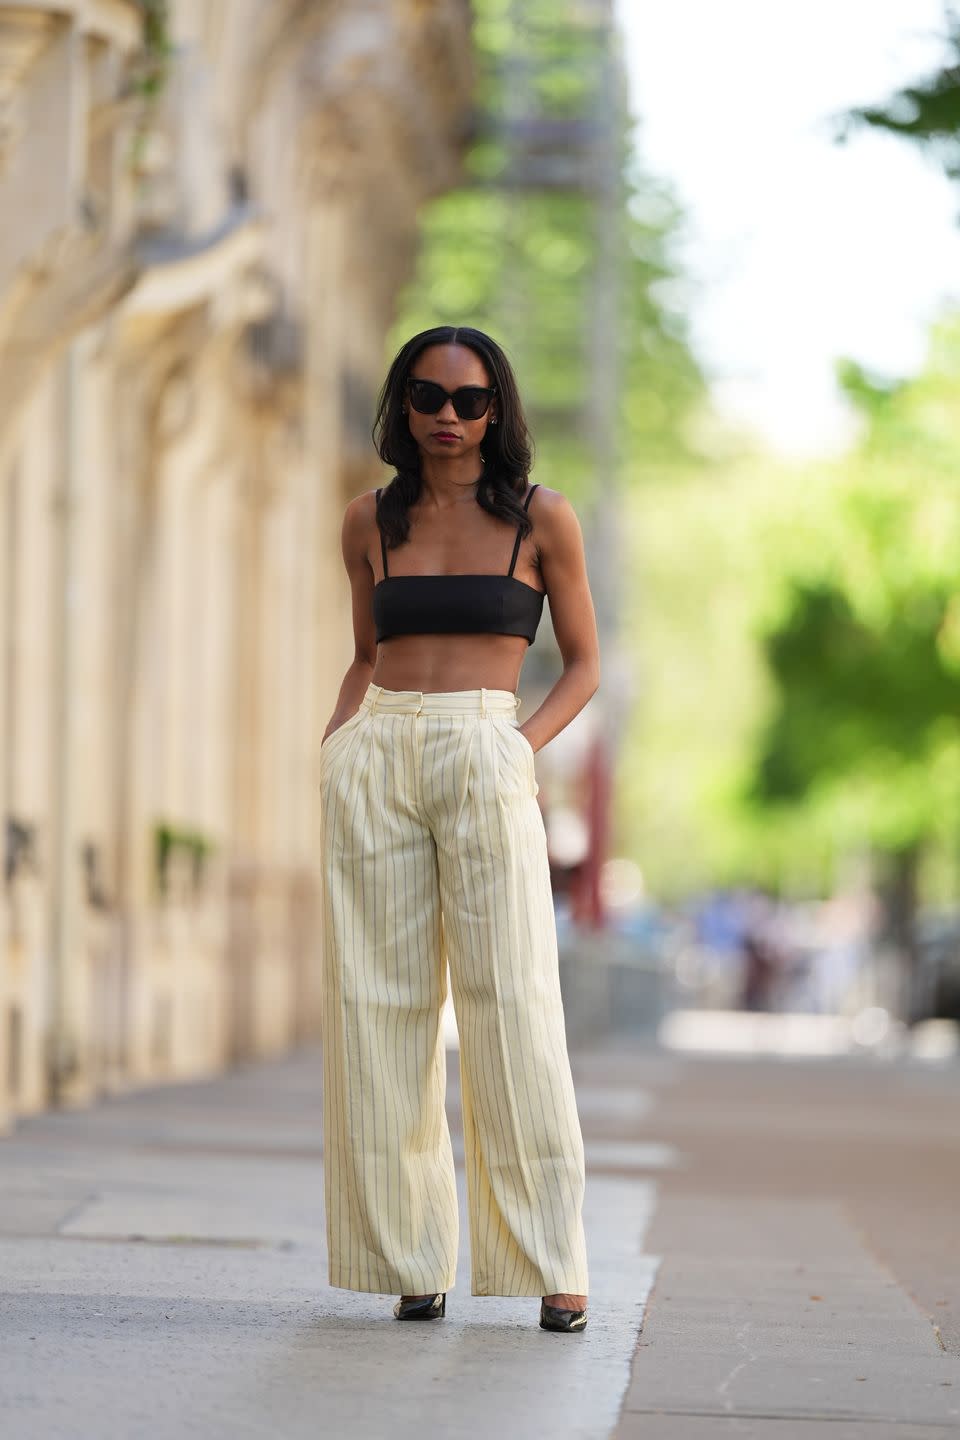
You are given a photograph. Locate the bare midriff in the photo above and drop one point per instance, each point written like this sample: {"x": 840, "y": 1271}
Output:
{"x": 432, "y": 663}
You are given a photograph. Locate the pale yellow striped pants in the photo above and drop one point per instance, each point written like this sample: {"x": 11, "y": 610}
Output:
{"x": 434, "y": 851}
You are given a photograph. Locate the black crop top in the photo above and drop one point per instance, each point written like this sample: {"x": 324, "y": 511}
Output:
{"x": 456, "y": 604}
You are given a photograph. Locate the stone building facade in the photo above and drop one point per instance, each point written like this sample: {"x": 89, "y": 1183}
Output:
{"x": 194, "y": 292}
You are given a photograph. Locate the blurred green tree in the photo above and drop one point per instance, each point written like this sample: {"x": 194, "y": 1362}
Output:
{"x": 927, "y": 112}
{"x": 798, "y": 638}
{"x": 522, "y": 253}
{"x": 862, "y": 637}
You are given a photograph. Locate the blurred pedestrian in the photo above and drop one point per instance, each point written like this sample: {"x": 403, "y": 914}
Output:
{"x": 760, "y": 956}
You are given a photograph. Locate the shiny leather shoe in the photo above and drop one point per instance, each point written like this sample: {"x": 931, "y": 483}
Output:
{"x": 430, "y": 1308}
{"x": 553, "y": 1318}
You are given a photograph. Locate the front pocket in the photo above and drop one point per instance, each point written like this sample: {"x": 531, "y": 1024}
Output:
{"x": 524, "y": 758}
{"x": 524, "y": 742}
{"x": 341, "y": 730}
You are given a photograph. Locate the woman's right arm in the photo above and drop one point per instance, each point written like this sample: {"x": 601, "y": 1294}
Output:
{"x": 359, "y": 519}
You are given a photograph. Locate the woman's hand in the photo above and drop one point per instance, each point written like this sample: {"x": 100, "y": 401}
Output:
{"x": 332, "y": 729}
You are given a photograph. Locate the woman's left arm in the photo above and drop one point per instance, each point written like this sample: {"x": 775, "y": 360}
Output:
{"x": 563, "y": 566}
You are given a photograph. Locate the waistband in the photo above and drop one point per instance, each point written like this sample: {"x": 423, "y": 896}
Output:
{"x": 439, "y": 702}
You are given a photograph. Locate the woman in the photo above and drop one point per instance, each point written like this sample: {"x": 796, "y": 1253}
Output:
{"x": 434, "y": 851}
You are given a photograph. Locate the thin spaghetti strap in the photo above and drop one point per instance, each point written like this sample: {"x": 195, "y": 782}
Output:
{"x": 516, "y": 543}
{"x": 383, "y": 548}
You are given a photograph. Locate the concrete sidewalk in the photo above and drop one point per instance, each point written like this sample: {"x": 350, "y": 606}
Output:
{"x": 797, "y": 1221}
{"x": 809, "y": 1240}
{"x": 165, "y": 1275}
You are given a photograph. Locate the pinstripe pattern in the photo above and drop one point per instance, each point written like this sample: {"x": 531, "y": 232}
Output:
{"x": 434, "y": 851}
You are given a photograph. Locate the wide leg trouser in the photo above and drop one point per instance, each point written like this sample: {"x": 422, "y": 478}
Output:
{"x": 434, "y": 851}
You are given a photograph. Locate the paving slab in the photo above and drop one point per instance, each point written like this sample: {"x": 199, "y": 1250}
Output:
{"x": 773, "y": 1250}
{"x": 809, "y": 1243}
{"x": 772, "y": 1427}
{"x": 165, "y": 1276}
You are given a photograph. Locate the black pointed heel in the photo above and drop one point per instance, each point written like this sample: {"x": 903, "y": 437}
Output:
{"x": 553, "y": 1318}
{"x": 430, "y": 1308}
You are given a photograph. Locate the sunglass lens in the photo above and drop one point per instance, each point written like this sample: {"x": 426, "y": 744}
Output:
{"x": 426, "y": 397}
{"x": 470, "y": 402}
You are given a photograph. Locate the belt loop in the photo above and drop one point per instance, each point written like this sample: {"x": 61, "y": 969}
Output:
{"x": 483, "y": 700}
{"x": 377, "y": 692}
{"x": 419, "y": 703}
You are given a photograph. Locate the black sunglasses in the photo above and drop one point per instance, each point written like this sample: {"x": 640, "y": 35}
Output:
{"x": 471, "y": 402}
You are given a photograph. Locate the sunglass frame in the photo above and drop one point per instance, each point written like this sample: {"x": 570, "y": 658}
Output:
{"x": 430, "y": 409}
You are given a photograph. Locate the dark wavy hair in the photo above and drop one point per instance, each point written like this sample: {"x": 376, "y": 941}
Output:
{"x": 506, "y": 449}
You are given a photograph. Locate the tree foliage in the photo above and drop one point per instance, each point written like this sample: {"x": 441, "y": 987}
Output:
{"x": 927, "y": 112}
{"x": 799, "y": 636}
{"x": 862, "y": 631}
{"x": 520, "y": 251}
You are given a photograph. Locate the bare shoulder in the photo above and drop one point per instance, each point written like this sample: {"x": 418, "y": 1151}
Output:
{"x": 361, "y": 511}
{"x": 359, "y": 524}
{"x": 554, "y": 517}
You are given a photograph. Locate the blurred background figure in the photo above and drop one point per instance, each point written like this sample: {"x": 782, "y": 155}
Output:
{"x": 763, "y": 960}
